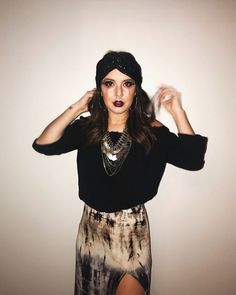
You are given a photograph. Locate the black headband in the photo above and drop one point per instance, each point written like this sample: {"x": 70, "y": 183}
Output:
{"x": 123, "y": 61}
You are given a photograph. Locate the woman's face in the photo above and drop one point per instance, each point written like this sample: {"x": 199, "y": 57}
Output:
{"x": 118, "y": 91}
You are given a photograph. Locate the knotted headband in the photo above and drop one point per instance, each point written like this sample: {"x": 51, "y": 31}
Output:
{"x": 122, "y": 61}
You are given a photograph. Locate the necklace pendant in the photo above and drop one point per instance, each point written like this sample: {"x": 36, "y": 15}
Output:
{"x": 111, "y": 157}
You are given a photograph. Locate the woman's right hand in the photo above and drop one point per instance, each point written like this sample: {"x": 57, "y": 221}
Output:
{"x": 82, "y": 103}
{"x": 55, "y": 129}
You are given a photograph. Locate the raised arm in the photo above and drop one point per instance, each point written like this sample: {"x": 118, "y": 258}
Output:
{"x": 170, "y": 98}
{"x": 54, "y": 131}
{"x": 187, "y": 150}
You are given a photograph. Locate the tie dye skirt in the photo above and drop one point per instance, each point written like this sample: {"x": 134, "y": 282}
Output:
{"x": 110, "y": 245}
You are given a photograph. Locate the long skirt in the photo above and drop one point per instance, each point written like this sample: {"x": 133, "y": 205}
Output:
{"x": 110, "y": 245}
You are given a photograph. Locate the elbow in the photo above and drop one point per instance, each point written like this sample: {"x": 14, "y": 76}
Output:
{"x": 191, "y": 164}
{"x": 45, "y": 149}
{"x": 195, "y": 166}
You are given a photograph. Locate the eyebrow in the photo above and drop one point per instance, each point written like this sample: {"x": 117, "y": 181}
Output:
{"x": 130, "y": 79}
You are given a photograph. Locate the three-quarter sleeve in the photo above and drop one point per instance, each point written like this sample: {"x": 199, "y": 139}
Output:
{"x": 184, "y": 150}
{"x": 72, "y": 139}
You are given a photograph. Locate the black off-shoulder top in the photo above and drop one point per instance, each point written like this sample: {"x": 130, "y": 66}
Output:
{"x": 139, "y": 177}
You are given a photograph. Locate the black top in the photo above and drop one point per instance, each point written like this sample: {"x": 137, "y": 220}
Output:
{"x": 139, "y": 177}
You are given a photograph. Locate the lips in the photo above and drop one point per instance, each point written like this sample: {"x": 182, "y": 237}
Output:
{"x": 118, "y": 103}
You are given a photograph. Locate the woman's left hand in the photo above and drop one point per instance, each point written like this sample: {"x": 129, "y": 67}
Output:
{"x": 170, "y": 99}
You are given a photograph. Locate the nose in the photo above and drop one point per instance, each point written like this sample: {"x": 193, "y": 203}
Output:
{"x": 119, "y": 91}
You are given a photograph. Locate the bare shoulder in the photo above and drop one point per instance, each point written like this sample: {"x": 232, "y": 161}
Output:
{"x": 156, "y": 123}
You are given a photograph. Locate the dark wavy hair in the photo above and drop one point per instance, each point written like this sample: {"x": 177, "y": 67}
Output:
{"x": 141, "y": 115}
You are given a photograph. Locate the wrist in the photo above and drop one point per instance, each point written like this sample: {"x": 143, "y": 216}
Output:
{"x": 76, "y": 108}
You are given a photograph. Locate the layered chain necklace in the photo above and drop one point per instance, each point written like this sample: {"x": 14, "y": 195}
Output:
{"x": 113, "y": 155}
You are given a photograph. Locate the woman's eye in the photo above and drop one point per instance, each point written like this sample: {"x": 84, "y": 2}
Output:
{"x": 108, "y": 83}
{"x": 129, "y": 83}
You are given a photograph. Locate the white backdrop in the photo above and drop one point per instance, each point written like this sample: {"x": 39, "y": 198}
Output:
{"x": 48, "y": 53}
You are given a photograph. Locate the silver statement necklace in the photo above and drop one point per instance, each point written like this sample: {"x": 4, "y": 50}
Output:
{"x": 113, "y": 155}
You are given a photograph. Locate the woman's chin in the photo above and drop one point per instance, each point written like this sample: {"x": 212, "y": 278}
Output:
{"x": 118, "y": 110}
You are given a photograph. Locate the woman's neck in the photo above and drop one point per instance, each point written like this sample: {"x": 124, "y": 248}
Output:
{"x": 117, "y": 122}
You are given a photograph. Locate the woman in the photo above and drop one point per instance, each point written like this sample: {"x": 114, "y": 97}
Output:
{"x": 122, "y": 154}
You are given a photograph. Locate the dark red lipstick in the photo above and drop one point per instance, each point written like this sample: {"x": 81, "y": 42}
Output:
{"x": 118, "y": 103}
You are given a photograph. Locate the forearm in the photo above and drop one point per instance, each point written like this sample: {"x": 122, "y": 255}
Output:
{"x": 55, "y": 129}
{"x": 182, "y": 122}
